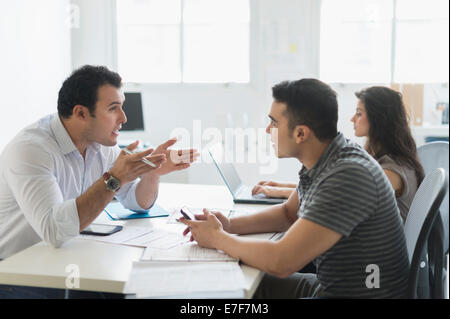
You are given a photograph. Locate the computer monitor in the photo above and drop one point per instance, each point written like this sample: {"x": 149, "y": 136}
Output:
{"x": 133, "y": 110}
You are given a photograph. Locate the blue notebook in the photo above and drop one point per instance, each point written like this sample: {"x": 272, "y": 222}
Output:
{"x": 116, "y": 211}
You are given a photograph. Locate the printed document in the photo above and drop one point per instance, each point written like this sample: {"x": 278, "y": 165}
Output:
{"x": 187, "y": 252}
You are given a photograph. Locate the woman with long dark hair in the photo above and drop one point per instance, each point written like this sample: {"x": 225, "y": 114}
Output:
{"x": 381, "y": 117}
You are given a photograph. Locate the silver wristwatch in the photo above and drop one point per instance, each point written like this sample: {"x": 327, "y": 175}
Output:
{"x": 112, "y": 183}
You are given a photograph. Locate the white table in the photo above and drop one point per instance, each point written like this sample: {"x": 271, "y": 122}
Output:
{"x": 106, "y": 267}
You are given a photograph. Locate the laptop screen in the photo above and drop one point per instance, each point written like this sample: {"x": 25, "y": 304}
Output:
{"x": 229, "y": 174}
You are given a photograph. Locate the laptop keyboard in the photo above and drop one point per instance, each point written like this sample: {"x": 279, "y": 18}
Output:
{"x": 246, "y": 192}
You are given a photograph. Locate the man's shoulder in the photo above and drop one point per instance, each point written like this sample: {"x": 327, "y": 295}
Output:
{"x": 352, "y": 151}
{"x": 33, "y": 140}
{"x": 351, "y": 158}
{"x": 352, "y": 165}
{"x": 40, "y": 129}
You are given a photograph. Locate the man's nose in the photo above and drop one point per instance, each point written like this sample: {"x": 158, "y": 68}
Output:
{"x": 124, "y": 117}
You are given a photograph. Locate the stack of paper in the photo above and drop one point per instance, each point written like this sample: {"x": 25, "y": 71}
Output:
{"x": 186, "y": 280}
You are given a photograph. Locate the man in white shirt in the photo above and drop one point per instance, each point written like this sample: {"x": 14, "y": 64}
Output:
{"x": 58, "y": 174}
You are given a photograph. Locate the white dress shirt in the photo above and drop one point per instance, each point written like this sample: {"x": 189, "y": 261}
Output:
{"x": 41, "y": 175}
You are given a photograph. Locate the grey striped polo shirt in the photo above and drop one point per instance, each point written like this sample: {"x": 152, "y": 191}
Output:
{"x": 348, "y": 192}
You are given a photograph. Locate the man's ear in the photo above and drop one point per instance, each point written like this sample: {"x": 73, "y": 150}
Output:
{"x": 301, "y": 133}
{"x": 80, "y": 112}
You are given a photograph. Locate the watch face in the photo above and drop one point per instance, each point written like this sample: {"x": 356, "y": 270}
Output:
{"x": 113, "y": 184}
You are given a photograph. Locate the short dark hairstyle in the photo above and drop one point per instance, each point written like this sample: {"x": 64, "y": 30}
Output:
{"x": 82, "y": 87}
{"x": 309, "y": 102}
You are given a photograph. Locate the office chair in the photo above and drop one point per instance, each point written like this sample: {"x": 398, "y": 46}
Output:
{"x": 421, "y": 227}
{"x": 434, "y": 155}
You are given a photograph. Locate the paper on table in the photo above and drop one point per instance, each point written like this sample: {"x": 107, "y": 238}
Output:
{"x": 127, "y": 234}
{"x": 156, "y": 280}
{"x": 141, "y": 237}
{"x": 160, "y": 239}
{"x": 187, "y": 252}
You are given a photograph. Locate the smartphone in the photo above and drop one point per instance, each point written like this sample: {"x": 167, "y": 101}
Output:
{"x": 100, "y": 230}
{"x": 186, "y": 212}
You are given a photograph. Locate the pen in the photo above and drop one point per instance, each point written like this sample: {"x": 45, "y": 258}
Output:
{"x": 146, "y": 161}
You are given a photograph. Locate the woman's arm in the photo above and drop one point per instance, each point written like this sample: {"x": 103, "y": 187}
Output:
{"x": 396, "y": 182}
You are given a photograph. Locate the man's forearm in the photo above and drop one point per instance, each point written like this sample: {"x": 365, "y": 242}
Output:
{"x": 147, "y": 190}
{"x": 272, "y": 219}
{"x": 92, "y": 202}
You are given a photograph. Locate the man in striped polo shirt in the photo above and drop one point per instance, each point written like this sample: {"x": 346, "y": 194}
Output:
{"x": 343, "y": 215}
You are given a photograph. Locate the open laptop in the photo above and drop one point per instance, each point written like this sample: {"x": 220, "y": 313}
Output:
{"x": 242, "y": 194}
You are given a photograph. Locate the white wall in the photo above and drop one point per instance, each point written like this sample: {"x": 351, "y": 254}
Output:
{"x": 34, "y": 60}
{"x": 92, "y": 41}
{"x": 39, "y": 50}
{"x": 284, "y": 46}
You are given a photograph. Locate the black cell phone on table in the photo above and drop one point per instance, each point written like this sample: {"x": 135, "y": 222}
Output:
{"x": 187, "y": 213}
{"x": 101, "y": 230}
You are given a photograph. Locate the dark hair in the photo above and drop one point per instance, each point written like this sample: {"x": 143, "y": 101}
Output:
{"x": 309, "y": 102}
{"x": 82, "y": 86}
{"x": 389, "y": 132}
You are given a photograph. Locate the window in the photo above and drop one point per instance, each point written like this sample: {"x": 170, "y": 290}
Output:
{"x": 422, "y": 41}
{"x": 355, "y": 42}
{"x": 384, "y": 41}
{"x": 190, "y": 41}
